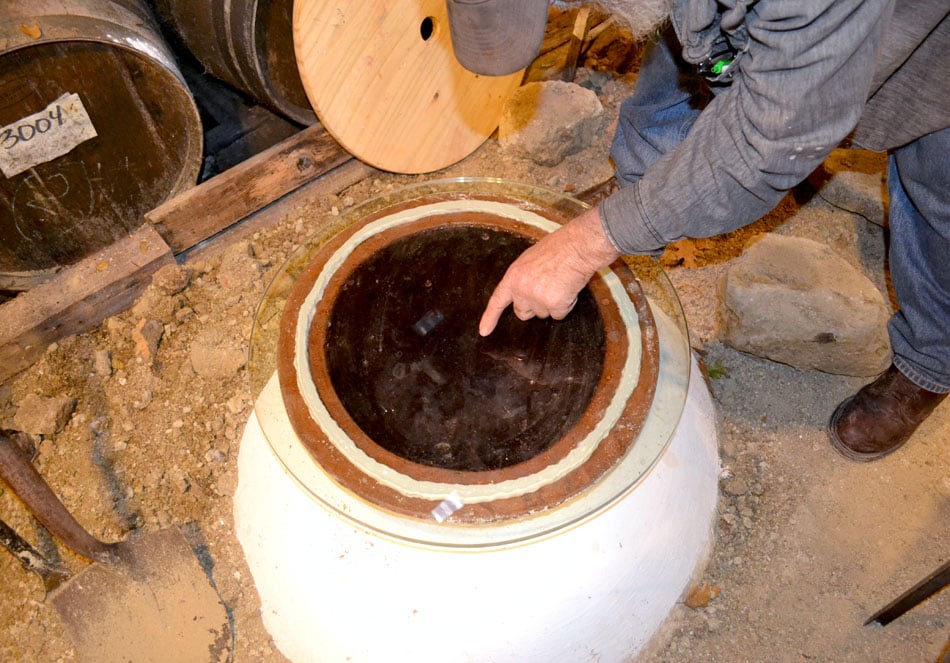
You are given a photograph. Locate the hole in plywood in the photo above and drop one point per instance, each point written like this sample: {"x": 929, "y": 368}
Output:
{"x": 426, "y": 29}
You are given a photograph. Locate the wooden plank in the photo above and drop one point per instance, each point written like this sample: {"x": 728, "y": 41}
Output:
{"x": 78, "y": 298}
{"x": 578, "y": 37}
{"x": 559, "y": 38}
{"x": 250, "y": 132}
{"x": 558, "y": 30}
{"x": 225, "y": 199}
{"x": 332, "y": 182}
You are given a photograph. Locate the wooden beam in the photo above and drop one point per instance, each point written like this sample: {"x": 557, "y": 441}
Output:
{"x": 331, "y": 182}
{"x": 220, "y": 202}
{"x": 576, "y": 42}
{"x": 559, "y": 39}
{"x": 78, "y": 298}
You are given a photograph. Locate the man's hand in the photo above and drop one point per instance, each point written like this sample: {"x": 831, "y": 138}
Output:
{"x": 545, "y": 279}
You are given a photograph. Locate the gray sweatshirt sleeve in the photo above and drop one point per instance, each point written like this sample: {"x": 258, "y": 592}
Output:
{"x": 800, "y": 89}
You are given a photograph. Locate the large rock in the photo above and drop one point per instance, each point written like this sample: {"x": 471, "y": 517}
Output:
{"x": 547, "y": 121}
{"x": 795, "y": 301}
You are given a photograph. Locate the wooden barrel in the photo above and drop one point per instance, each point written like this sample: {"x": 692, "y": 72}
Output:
{"x": 97, "y": 127}
{"x": 246, "y": 43}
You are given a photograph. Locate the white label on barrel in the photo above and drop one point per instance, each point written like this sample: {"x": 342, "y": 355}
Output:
{"x": 45, "y": 135}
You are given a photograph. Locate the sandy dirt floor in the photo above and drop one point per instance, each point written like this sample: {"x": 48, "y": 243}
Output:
{"x": 807, "y": 544}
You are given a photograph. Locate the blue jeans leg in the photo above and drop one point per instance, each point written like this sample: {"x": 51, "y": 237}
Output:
{"x": 919, "y": 219}
{"x": 666, "y": 100}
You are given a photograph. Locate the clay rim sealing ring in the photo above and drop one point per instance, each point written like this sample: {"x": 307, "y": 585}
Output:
{"x": 396, "y": 490}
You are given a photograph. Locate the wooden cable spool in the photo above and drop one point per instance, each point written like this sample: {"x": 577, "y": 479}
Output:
{"x": 97, "y": 127}
{"x": 384, "y": 81}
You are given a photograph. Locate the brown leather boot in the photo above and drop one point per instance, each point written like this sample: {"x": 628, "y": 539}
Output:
{"x": 881, "y": 416}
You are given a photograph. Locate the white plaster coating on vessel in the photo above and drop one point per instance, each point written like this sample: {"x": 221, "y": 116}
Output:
{"x": 594, "y": 591}
{"x": 474, "y": 493}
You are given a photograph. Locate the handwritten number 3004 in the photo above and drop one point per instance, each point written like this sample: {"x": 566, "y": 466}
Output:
{"x": 26, "y": 131}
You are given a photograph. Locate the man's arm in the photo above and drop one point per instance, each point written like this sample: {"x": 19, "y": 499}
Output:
{"x": 800, "y": 89}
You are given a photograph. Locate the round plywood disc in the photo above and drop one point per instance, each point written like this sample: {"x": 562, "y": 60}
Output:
{"x": 383, "y": 79}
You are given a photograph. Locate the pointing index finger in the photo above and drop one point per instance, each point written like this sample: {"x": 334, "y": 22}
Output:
{"x": 499, "y": 301}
